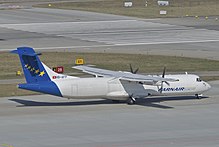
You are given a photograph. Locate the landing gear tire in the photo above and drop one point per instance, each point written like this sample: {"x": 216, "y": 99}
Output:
{"x": 198, "y": 96}
{"x": 131, "y": 101}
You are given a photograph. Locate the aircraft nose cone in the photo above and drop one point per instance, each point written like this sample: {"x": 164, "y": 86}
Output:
{"x": 208, "y": 86}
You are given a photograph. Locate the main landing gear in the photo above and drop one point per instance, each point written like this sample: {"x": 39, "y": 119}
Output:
{"x": 131, "y": 101}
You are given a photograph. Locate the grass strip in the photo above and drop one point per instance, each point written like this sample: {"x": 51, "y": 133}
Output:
{"x": 12, "y": 90}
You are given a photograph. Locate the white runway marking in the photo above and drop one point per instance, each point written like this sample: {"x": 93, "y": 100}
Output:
{"x": 171, "y": 42}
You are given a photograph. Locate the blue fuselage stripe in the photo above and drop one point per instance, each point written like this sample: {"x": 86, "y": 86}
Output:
{"x": 44, "y": 87}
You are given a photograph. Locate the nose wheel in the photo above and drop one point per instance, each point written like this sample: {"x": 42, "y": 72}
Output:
{"x": 198, "y": 96}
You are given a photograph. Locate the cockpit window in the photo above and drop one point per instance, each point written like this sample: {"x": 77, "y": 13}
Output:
{"x": 198, "y": 80}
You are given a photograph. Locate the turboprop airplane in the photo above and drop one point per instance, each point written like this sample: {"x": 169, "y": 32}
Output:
{"x": 111, "y": 85}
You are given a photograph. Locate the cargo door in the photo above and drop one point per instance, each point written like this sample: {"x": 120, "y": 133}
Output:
{"x": 74, "y": 90}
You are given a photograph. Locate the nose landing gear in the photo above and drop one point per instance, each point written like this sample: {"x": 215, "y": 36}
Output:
{"x": 198, "y": 96}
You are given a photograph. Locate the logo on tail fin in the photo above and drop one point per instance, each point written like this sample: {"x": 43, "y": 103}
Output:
{"x": 35, "y": 71}
{"x": 41, "y": 73}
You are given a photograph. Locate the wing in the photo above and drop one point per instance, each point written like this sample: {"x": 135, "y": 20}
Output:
{"x": 97, "y": 71}
{"x": 150, "y": 80}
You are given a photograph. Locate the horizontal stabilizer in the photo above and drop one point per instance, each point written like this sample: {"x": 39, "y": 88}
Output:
{"x": 26, "y": 54}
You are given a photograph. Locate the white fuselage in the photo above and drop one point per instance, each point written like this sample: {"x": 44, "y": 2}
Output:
{"x": 116, "y": 89}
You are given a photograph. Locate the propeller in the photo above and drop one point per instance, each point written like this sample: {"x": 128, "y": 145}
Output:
{"x": 164, "y": 71}
{"x": 131, "y": 69}
{"x": 163, "y": 76}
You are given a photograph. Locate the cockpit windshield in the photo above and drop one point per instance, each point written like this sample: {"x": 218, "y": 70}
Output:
{"x": 198, "y": 80}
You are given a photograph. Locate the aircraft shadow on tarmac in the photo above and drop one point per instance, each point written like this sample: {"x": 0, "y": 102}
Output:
{"x": 148, "y": 102}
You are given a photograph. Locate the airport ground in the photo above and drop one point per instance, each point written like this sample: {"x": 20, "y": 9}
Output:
{"x": 50, "y": 121}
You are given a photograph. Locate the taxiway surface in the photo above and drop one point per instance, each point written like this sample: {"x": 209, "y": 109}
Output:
{"x": 49, "y": 121}
{"x": 92, "y": 32}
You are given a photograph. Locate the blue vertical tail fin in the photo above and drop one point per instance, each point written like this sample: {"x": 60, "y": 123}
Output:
{"x": 38, "y": 76}
{"x": 33, "y": 68}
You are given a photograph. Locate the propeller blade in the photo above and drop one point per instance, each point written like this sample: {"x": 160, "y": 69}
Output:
{"x": 161, "y": 88}
{"x": 163, "y": 75}
{"x": 167, "y": 83}
{"x": 131, "y": 69}
{"x": 136, "y": 71}
{"x": 164, "y": 71}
